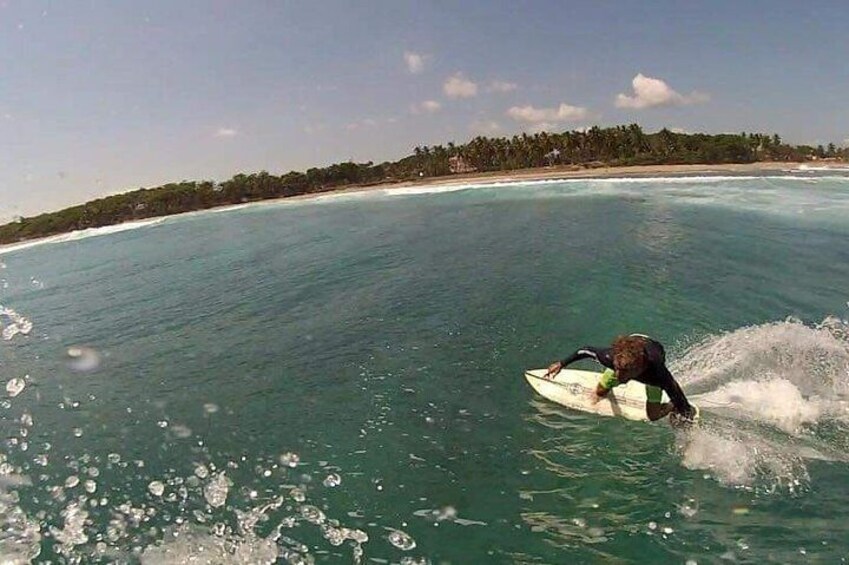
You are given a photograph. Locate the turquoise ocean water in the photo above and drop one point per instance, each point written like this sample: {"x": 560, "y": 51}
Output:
{"x": 339, "y": 380}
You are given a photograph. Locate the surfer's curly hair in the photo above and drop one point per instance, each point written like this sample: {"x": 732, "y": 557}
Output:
{"x": 629, "y": 353}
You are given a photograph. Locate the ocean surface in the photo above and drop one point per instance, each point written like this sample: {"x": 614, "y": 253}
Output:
{"x": 340, "y": 380}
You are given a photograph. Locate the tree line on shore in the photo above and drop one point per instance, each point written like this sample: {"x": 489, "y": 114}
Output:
{"x": 614, "y": 146}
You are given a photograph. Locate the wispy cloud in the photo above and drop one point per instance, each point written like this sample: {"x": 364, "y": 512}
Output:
{"x": 359, "y": 124}
{"x": 502, "y": 86}
{"x": 415, "y": 62}
{"x": 485, "y": 127}
{"x": 653, "y": 92}
{"x": 226, "y": 132}
{"x": 548, "y": 116}
{"x": 458, "y": 86}
{"x": 428, "y": 106}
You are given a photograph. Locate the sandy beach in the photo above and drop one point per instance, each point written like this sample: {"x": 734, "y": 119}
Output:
{"x": 578, "y": 172}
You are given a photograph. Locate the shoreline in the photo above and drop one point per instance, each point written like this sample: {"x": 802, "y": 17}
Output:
{"x": 578, "y": 172}
{"x": 569, "y": 172}
{"x": 566, "y": 172}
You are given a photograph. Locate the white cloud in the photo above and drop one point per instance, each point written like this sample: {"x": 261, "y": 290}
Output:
{"x": 502, "y": 86}
{"x": 428, "y": 106}
{"x": 542, "y": 126}
{"x": 485, "y": 127}
{"x": 226, "y": 132}
{"x": 365, "y": 123}
{"x": 652, "y": 92}
{"x": 415, "y": 62}
{"x": 457, "y": 86}
{"x": 431, "y": 105}
{"x": 551, "y": 116}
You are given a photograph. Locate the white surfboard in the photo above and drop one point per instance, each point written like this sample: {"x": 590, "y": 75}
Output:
{"x": 573, "y": 388}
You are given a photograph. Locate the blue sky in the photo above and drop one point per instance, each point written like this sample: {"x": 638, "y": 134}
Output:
{"x": 100, "y": 97}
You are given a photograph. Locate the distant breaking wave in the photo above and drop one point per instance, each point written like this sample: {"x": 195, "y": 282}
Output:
{"x": 82, "y": 234}
{"x": 805, "y": 195}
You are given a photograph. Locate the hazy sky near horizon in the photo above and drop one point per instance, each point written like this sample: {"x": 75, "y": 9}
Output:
{"x": 99, "y": 97}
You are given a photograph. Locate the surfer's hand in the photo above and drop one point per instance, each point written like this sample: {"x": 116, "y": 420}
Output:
{"x": 679, "y": 420}
{"x": 594, "y": 398}
{"x": 553, "y": 369}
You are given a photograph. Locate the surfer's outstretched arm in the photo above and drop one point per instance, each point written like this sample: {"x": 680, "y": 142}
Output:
{"x": 599, "y": 354}
{"x": 679, "y": 402}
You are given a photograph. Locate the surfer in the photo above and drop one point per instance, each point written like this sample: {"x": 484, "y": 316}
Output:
{"x": 642, "y": 359}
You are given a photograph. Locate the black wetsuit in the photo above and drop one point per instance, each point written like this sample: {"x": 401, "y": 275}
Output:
{"x": 656, "y": 374}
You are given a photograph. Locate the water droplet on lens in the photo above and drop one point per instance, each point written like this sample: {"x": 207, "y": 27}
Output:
{"x": 216, "y": 490}
{"x": 180, "y": 431}
{"x": 15, "y": 386}
{"x": 72, "y": 481}
{"x": 332, "y": 480}
{"x": 312, "y": 514}
{"x": 298, "y": 495}
{"x": 156, "y": 488}
{"x": 290, "y": 459}
{"x": 83, "y": 359}
{"x": 401, "y": 540}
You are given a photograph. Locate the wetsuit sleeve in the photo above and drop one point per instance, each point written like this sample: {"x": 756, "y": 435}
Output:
{"x": 587, "y": 352}
{"x": 676, "y": 395}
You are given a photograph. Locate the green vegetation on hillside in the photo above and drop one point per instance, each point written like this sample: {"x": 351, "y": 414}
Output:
{"x": 621, "y": 145}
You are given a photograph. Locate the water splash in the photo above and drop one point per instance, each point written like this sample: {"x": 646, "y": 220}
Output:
{"x": 15, "y": 323}
{"x": 217, "y": 489}
{"x": 774, "y": 396}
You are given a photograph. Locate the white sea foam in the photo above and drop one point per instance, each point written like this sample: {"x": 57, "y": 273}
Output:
{"x": 826, "y": 168}
{"x": 790, "y": 194}
{"x": 765, "y": 392}
{"x": 81, "y": 234}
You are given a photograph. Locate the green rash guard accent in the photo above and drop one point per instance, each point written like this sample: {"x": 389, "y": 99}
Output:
{"x": 608, "y": 380}
{"x": 654, "y": 394}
